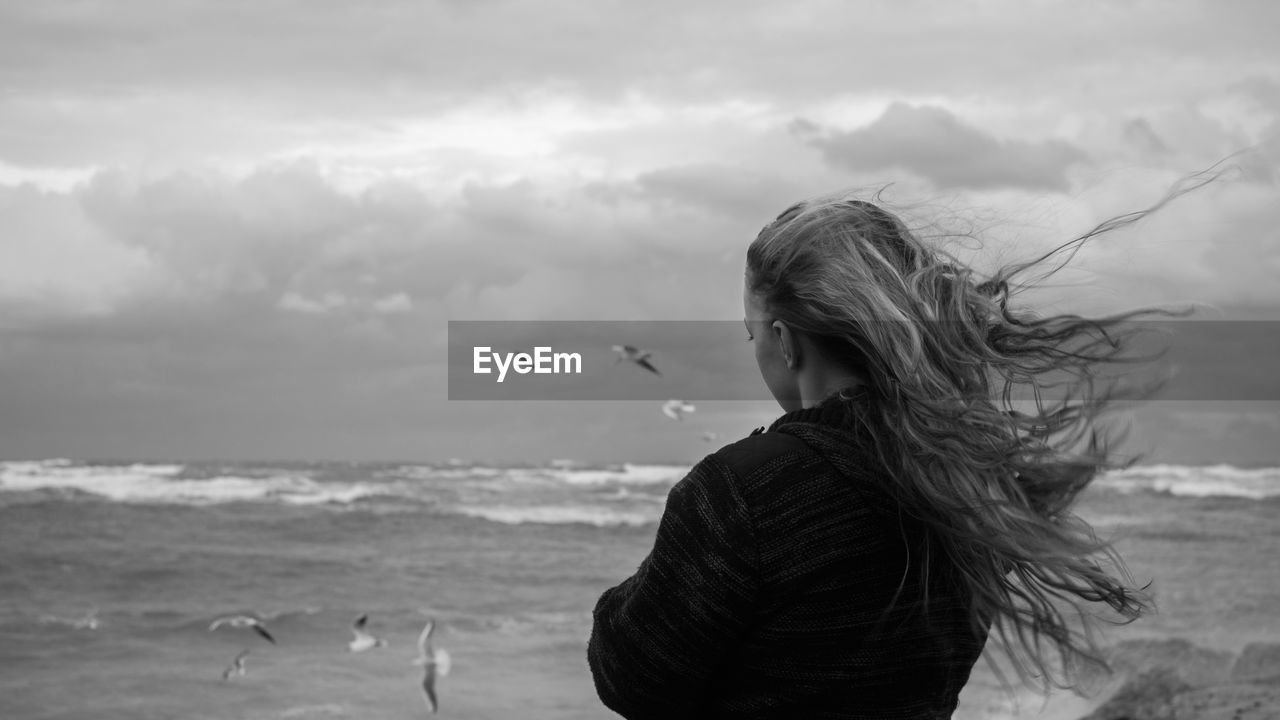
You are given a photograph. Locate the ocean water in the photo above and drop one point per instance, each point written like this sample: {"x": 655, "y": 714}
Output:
{"x": 110, "y": 575}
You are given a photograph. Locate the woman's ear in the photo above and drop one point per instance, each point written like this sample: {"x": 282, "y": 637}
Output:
{"x": 788, "y": 342}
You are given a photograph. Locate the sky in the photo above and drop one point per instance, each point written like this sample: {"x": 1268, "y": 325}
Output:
{"x": 239, "y": 230}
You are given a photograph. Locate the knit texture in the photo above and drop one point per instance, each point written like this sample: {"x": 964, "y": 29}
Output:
{"x": 784, "y": 583}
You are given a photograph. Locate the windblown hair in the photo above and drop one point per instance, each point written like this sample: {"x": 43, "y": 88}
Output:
{"x": 943, "y": 352}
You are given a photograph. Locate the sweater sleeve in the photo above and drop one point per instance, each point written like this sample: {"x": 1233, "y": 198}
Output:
{"x": 659, "y": 636}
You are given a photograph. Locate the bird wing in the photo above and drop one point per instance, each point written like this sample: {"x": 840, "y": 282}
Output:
{"x": 233, "y": 621}
{"x": 644, "y": 363}
{"x": 263, "y": 632}
{"x": 429, "y": 687}
{"x": 424, "y": 640}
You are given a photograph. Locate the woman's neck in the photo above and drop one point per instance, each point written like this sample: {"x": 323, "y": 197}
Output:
{"x": 821, "y": 382}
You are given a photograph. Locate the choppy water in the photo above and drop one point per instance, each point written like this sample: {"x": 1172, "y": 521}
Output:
{"x": 111, "y": 573}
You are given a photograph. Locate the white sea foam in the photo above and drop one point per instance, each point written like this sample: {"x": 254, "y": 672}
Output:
{"x": 538, "y": 622}
{"x": 622, "y": 494}
{"x": 117, "y": 482}
{"x": 558, "y": 515}
{"x": 431, "y": 472}
{"x": 626, "y": 474}
{"x": 143, "y": 483}
{"x": 625, "y": 494}
{"x": 1197, "y": 481}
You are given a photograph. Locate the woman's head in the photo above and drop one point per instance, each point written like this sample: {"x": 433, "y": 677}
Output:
{"x": 854, "y": 282}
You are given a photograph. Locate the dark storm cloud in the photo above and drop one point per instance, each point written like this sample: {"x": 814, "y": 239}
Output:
{"x": 99, "y": 83}
{"x": 933, "y": 143}
{"x": 285, "y": 230}
{"x": 288, "y": 229}
{"x": 209, "y": 357}
{"x": 277, "y": 309}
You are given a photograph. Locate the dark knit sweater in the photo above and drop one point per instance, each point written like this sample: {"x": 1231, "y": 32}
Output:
{"x": 784, "y": 583}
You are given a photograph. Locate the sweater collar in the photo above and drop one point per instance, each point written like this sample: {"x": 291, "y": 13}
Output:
{"x": 837, "y": 410}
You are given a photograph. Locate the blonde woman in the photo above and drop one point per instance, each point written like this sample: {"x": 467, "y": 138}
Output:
{"x": 852, "y": 560}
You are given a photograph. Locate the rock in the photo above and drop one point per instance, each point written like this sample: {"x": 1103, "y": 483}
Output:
{"x": 1150, "y": 695}
{"x": 1195, "y": 666}
{"x": 1175, "y": 680}
{"x": 1258, "y": 663}
{"x": 1229, "y": 702}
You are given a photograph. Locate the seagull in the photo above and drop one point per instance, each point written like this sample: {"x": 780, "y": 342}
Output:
{"x": 243, "y": 621}
{"x": 709, "y": 436}
{"x": 433, "y": 662}
{"x": 677, "y": 409}
{"x": 635, "y": 355}
{"x": 236, "y": 668}
{"x": 363, "y": 641}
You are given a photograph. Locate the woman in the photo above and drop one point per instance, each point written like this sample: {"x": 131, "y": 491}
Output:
{"x": 851, "y": 560}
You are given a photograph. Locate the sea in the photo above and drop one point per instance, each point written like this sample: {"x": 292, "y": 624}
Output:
{"x": 111, "y": 575}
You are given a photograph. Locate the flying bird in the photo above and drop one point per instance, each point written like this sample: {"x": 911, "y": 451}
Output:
{"x": 363, "y": 640}
{"x": 236, "y": 668}
{"x": 677, "y": 409}
{"x": 434, "y": 662}
{"x": 635, "y": 355}
{"x": 243, "y": 621}
{"x": 709, "y": 436}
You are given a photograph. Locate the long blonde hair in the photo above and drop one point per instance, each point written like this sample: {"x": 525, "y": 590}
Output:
{"x": 943, "y": 352}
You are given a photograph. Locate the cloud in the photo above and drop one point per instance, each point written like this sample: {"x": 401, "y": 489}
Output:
{"x": 1139, "y": 133}
{"x": 57, "y": 260}
{"x": 933, "y": 143}
{"x": 1218, "y": 245}
{"x": 285, "y": 238}
{"x": 253, "y": 296}
{"x": 294, "y": 302}
{"x": 393, "y": 304}
{"x": 397, "y": 49}
{"x": 286, "y": 235}
{"x": 207, "y": 80}
{"x": 734, "y": 192}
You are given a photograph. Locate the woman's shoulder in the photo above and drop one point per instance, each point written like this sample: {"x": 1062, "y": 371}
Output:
{"x": 763, "y": 451}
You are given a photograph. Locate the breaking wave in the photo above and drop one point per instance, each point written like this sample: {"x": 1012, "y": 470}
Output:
{"x": 561, "y": 515}
{"x": 1197, "y": 481}
{"x": 165, "y": 484}
{"x": 557, "y": 493}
